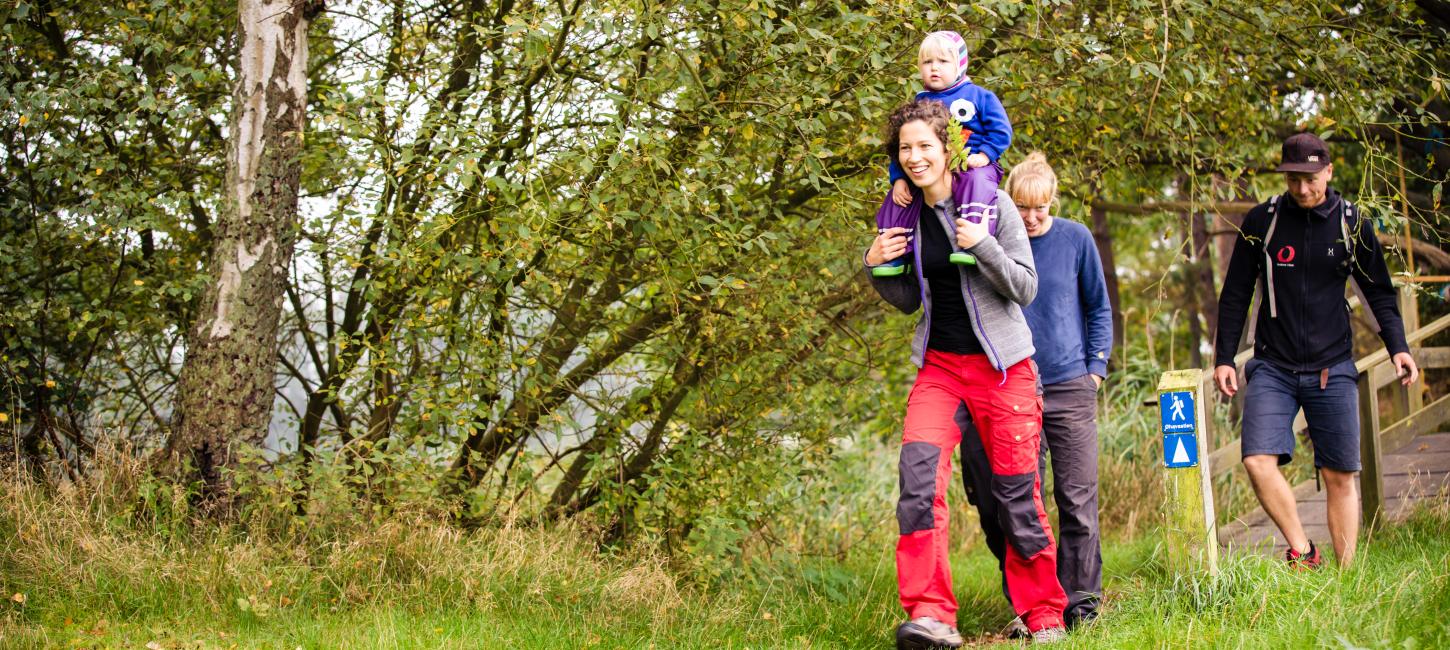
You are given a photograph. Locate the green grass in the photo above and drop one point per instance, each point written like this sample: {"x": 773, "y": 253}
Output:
{"x": 94, "y": 578}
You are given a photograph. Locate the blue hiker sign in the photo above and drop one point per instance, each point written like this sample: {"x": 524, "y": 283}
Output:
{"x": 1176, "y": 411}
{"x": 1180, "y": 424}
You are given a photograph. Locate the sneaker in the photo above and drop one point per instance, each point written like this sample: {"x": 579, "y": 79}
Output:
{"x": 1016, "y": 629}
{"x": 1310, "y": 560}
{"x": 1049, "y": 635}
{"x": 926, "y": 633}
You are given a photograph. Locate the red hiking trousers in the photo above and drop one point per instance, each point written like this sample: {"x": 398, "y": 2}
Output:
{"x": 1008, "y": 414}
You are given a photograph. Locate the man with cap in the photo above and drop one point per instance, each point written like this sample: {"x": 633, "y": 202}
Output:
{"x": 1298, "y": 250}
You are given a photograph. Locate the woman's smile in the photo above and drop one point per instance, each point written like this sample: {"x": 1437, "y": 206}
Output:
{"x": 922, "y": 155}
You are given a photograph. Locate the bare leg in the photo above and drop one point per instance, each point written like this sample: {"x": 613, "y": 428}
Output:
{"x": 1277, "y": 498}
{"x": 1342, "y": 510}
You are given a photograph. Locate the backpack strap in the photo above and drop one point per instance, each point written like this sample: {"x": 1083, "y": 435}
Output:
{"x": 1264, "y": 283}
{"x": 1346, "y": 213}
{"x": 1268, "y": 259}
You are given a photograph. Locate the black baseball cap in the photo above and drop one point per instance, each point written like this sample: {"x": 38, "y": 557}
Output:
{"x": 1304, "y": 152}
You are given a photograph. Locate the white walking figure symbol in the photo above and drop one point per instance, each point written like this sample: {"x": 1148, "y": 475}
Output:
{"x": 1177, "y": 407}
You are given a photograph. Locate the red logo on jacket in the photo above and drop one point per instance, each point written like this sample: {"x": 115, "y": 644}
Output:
{"x": 1286, "y": 255}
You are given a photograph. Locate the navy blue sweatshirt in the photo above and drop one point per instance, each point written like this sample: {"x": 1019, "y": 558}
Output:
{"x": 1071, "y": 318}
{"x": 1312, "y": 263}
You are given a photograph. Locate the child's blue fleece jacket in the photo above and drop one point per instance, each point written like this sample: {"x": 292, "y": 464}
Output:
{"x": 979, "y": 111}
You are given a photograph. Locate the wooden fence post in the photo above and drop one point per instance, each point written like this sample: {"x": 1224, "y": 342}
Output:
{"x": 1371, "y": 479}
{"x": 1190, "y": 538}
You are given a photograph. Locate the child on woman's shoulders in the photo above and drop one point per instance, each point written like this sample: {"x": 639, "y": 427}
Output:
{"x": 986, "y": 131}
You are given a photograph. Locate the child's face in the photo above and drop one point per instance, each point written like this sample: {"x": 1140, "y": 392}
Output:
{"x": 938, "y": 71}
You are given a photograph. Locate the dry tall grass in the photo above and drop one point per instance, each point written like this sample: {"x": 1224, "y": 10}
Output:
{"x": 122, "y": 542}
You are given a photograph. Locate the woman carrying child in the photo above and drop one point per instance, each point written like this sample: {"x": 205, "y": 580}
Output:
{"x": 974, "y": 352}
{"x": 1072, "y": 328}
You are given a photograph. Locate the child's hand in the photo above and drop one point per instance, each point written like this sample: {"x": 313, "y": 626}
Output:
{"x": 978, "y": 160}
{"x": 901, "y": 193}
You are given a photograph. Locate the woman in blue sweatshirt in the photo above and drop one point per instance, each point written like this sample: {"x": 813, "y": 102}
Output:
{"x": 1072, "y": 329}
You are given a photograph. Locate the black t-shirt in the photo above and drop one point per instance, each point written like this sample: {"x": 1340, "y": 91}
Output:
{"x": 951, "y": 327}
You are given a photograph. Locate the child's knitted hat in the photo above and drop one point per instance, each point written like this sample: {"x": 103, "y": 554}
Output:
{"x": 958, "y": 45}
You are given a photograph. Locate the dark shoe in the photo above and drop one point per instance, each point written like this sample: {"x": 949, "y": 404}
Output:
{"x": 926, "y": 633}
{"x": 1016, "y": 629}
{"x": 1304, "y": 561}
{"x": 1083, "y": 618}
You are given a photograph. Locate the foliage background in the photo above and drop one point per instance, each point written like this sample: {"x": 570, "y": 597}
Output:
{"x": 601, "y": 258}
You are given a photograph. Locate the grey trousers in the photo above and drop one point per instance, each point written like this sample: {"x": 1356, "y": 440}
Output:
{"x": 1070, "y": 438}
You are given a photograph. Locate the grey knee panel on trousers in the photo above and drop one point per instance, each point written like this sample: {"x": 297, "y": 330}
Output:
{"x": 917, "y": 481}
{"x": 1018, "y": 513}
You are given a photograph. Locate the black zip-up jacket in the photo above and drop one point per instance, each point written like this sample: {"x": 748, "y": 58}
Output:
{"x": 1311, "y": 265}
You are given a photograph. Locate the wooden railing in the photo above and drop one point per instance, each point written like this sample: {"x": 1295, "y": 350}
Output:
{"x": 1410, "y": 416}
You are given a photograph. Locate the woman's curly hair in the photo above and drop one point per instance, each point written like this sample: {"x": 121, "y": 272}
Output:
{"x": 930, "y": 111}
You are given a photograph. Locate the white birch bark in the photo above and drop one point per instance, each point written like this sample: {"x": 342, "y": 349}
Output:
{"x": 225, "y": 392}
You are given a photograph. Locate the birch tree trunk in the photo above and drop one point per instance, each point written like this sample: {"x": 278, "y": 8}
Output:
{"x": 226, "y": 387}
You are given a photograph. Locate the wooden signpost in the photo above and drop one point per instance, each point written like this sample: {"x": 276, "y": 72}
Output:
{"x": 1190, "y": 538}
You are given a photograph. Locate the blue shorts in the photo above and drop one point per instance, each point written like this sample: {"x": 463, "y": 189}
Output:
{"x": 1274, "y": 396}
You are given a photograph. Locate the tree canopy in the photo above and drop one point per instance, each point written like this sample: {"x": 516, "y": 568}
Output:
{"x": 572, "y": 256}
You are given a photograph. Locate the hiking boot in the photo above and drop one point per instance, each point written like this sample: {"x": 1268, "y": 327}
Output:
{"x": 1016, "y": 629}
{"x": 1302, "y": 561}
{"x": 926, "y": 633}
{"x": 1049, "y": 635}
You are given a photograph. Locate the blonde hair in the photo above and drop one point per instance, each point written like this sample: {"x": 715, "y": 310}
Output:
{"x": 936, "y": 44}
{"x": 1032, "y": 181}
